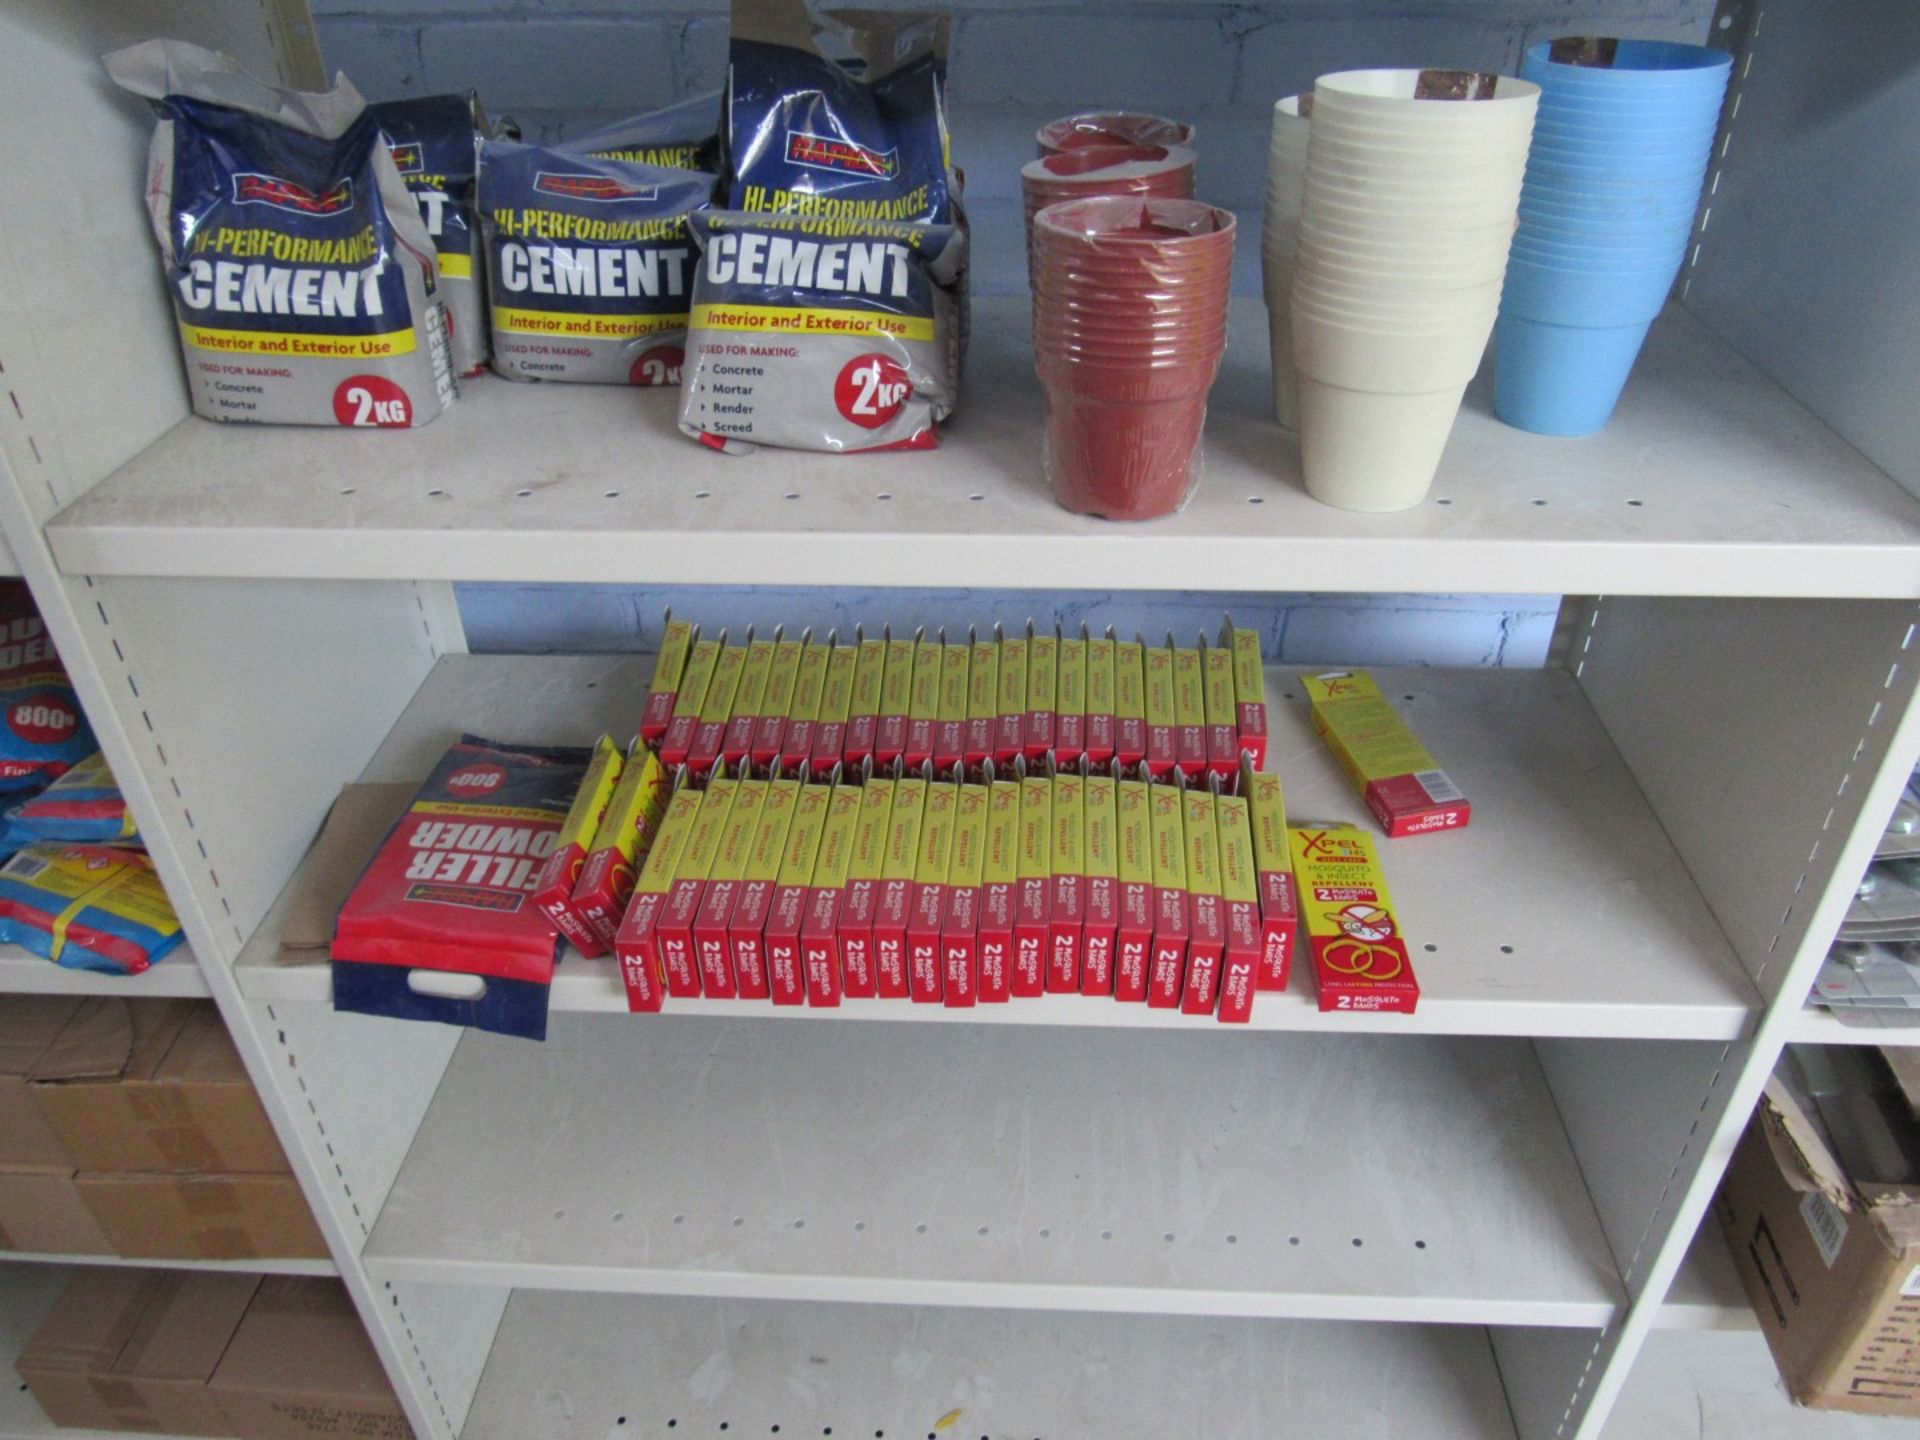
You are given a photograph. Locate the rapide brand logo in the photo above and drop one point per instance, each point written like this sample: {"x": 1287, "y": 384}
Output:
{"x": 590, "y": 187}
{"x": 476, "y": 780}
{"x": 408, "y": 158}
{"x": 823, "y": 152}
{"x": 252, "y": 188}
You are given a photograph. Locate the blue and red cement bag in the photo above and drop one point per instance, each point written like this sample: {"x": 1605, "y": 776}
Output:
{"x": 451, "y": 889}
{"x": 42, "y": 732}
{"x": 683, "y": 136}
{"x": 83, "y": 805}
{"x": 435, "y": 142}
{"x": 87, "y": 907}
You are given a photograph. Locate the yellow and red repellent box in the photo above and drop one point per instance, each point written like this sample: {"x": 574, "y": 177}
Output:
{"x": 923, "y": 701}
{"x": 1070, "y": 700}
{"x": 664, "y": 689}
{"x": 858, "y": 966}
{"x": 1043, "y": 693}
{"x": 553, "y": 887}
{"x": 753, "y": 902}
{"x": 1035, "y": 895}
{"x": 1403, "y": 785}
{"x": 1360, "y": 958}
{"x": 1162, "y": 751}
{"x": 625, "y": 838}
{"x": 1102, "y": 861}
{"x": 736, "y": 747}
{"x": 712, "y": 942}
{"x": 896, "y": 887}
{"x": 960, "y": 927}
{"x": 1240, "y": 894}
{"x": 636, "y": 944}
{"x": 1189, "y": 710}
{"x": 1273, "y": 873}
{"x": 1249, "y": 690}
{"x": 863, "y": 710}
{"x": 1130, "y": 703}
{"x": 1167, "y": 969}
{"x": 770, "y": 731}
{"x": 999, "y": 882}
{"x": 717, "y": 709}
{"x": 701, "y": 658}
{"x": 983, "y": 699}
{"x": 1216, "y": 693}
{"x": 675, "y": 929}
{"x": 928, "y": 904}
{"x": 1207, "y": 944}
{"x": 1100, "y": 721}
{"x": 836, "y": 705}
{"x": 1133, "y": 863}
{"x": 950, "y": 723}
{"x": 786, "y": 967}
{"x": 1009, "y": 732}
{"x": 819, "y": 933}
{"x": 896, "y": 699}
{"x": 803, "y": 713}
{"x": 1067, "y": 907}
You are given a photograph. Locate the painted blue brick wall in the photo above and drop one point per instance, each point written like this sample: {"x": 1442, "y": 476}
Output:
{"x": 562, "y": 66}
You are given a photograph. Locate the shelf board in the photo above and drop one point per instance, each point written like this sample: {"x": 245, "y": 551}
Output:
{"x": 1710, "y": 480}
{"x": 272, "y": 1265}
{"x": 1698, "y": 1386}
{"x": 628, "y": 1366}
{"x": 1706, "y": 1294}
{"x": 1817, "y": 1025}
{"x": 24, "y": 973}
{"x": 1561, "y": 910}
{"x": 1329, "y": 1177}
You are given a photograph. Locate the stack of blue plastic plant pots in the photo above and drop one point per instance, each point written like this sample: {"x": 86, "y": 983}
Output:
{"x": 1620, "y": 152}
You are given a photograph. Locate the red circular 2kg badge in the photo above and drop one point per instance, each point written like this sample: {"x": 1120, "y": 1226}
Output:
{"x": 871, "y": 390}
{"x": 371, "y": 400}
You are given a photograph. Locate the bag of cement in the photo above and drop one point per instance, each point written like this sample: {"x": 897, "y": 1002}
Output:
{"x": 684, "y": 136}
{"x": 865, "y": 138}
{"x": 435, "y": 143}
{"x": 302, "y": 274}
{"x": 815, "y": 333}
{"x": 589, "y": 264}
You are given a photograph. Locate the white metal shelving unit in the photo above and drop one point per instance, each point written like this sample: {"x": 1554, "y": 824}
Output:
{"x": 543, "y": 1240}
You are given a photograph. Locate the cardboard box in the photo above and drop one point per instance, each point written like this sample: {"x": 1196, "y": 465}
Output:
{"x": 1034, "y": 897}
{"x": 153, "y": 1085}
{"x": 1249, "y": 690}
{"x": 356, "y": 825}
{"x": 1100, "y": 721}
{"x": 559, "y": 873}
{"x": 819, "y": 939}
{"x": 712, "y": 944}
{"x": 1360, "y": 959}
{"x": 678, "y": 739}
{"x": 858, "y": 974}
{"x": 626, "y": 837}
{"x": 803, "y": 711}
{"x": 983, "y": 701}
{"x": 999, "y": 880}
{"x": 736, "y": 745}
{"x": 927, "y": 906}
{"x": 1133, "y": 856}
{"x": 753, "y": 898}
{"x": 896, "y": 698}
{"x": 1189, "y": 710}
{"x": 28, "y": 1025}
{"x": 1043, "y": 693}
{"x": 770, "y": 731}
{"x": 1240, "y": 896}
{"x": 637, "y": 942}
{"x": 1273, "y": 875}
{"x": 1102, "y": 860}
{"x": 1009, "y": 733}
{"x": 1403, "y": 785}
{"x": 1207, "y": 944}
{"x": 202, "y": 1217}
{"x": 786, "y": 968}
{"x": 1167, "y": 969}
{"x": 674, "y": 930}
{"x": 950, "y": 722}
{"x": 300, "y": 1365}
{"x": 1129, "y": 703}
{"x": 1216, "y": 692}
{"x": 130, "y": 1349}
{"x": 1829, "y": 1260}
{"x": 709, "y": 736}
{"x": 1067, "y": 888}
{"x": 664, "y": 688}
{"x": 1070, "y": 701}
{"x": 896, "y": 888}
{"x": 836, "y": 706}
{"x": 863, "y": 710}
{"x": 960, "y": 919}
{"x": 1162, "y": 750}
{"x": 923, "y": 702}
{"x": 41, "y": 1213}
